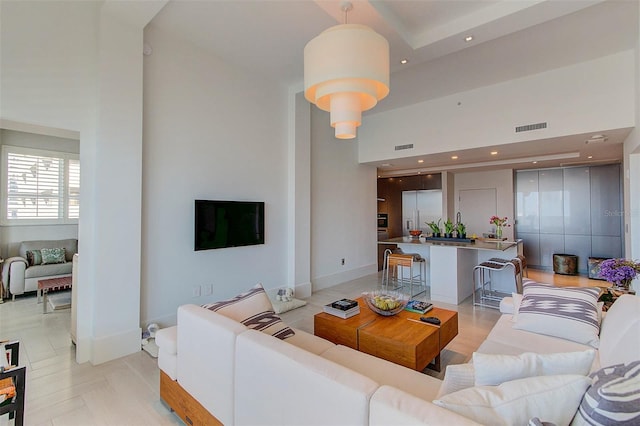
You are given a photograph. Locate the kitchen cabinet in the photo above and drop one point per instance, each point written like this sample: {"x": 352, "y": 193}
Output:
{"x": 575, "y": 210}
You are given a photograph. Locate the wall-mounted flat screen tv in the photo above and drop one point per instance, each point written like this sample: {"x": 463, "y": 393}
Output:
{"x": 220, "y": 224}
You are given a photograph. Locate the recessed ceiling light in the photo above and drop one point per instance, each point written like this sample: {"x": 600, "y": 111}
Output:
{"x": 534, "y": 162}
{"x": 404, "y": 61}
{"x": 494, "y": 152}
{"x": 385, "y": 165}
{"x": 468, "y": 38}
{"x": 454, "y": 157}
{"x": 597, "y": 137}
{"x": 590, "y": 157}
{"x": 420, "y": 161}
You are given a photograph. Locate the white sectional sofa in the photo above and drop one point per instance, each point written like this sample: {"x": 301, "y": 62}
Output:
{"x": 214, "y": 369}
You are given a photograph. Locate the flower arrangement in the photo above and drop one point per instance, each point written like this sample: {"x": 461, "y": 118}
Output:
{"x": 619, "y": 271}
{"x": 498, "y": 221}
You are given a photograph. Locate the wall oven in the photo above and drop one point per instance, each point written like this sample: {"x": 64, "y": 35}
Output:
{"x": 383, "y": 220}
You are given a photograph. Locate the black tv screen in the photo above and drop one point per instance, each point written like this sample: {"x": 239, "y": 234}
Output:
{"x": 220, "y": 224}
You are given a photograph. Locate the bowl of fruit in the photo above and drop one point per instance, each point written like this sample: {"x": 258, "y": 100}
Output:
{"x": 385, "y": 303}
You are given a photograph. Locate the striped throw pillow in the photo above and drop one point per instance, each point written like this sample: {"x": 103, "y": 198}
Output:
{"x": 613, "y": 398}
{"x": 570, "y": 313}
{"x": 253, "y": 309}
{"x": 34, "y": 257}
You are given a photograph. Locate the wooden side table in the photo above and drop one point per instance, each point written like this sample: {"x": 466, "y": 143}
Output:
{"x": 610, "y": 295}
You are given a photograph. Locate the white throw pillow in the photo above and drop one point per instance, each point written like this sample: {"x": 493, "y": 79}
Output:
{"x": 497, "y": 369}
{"x": 457, "y": 377}
{"x": 570, "y": 313}
{"x": 553, "y": 399}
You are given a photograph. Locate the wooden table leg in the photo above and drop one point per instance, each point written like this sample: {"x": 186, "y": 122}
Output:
{"x": 435, "y": 364}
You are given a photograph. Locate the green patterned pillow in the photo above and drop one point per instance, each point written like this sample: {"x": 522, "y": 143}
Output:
{"x": 34, "y": 257}
{"x": 53, "y": 255}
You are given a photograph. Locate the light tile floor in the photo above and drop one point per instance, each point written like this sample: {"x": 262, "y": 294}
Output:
{"x": 125, "y": 391}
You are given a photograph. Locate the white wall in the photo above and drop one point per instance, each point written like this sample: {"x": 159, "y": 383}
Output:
{"x": 211, "y": 131}
{"x": 48, "y": 78}
{"x": 591, "y": 96}
{"x": 299, "y": 246}
{"x": 501, "y": 181}
{"x": 343, "y": 208}
{"x": 78, "y": 66}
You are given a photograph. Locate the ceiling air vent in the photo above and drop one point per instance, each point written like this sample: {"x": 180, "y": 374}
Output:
{"x": 401, "y": 147}
{"x": 529, "y": 127}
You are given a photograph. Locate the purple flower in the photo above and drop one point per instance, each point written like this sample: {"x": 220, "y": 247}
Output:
{"x": 619, "y": 271}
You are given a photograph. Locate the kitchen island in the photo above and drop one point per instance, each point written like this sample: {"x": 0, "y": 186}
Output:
{"x": 450, "y": 264}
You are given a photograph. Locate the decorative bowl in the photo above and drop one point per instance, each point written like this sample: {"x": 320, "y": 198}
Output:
{"x": 385, "y": 303}
{"x": 415, "y": 232}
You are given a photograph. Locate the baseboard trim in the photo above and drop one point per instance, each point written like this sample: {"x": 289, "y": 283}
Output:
{"x": 115, "y": 346}
{"x": 327, "y": 281}
{"x": 303, "y": 290}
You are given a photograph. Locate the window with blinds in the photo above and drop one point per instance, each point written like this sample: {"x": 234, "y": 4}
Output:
{"x": 40, "y": 186}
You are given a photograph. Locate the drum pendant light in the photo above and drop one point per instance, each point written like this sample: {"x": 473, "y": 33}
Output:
{"x": 346, "y": 71}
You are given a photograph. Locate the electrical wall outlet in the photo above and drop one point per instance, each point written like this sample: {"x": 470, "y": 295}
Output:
{"x": 207, "y": 289}
{"x": 196, "y": 291}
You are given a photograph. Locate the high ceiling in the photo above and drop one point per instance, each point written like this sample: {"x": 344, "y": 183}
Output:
{"x": 511, "y": 39}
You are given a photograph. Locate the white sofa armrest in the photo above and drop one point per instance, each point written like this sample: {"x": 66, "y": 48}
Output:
{"x": 206, "y": 358}
{"x": 167, "y": 341}
{"x": 620, "y": 332}
{"x": 281, "y": 384}
{"x": 13, "y": 274}
{"x": 506, "y": 305}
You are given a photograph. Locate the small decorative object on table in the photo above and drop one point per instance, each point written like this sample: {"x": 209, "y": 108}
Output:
{"x": 418, "y": 306}
{"x": 415, "y": 233}
{"x": 385, "y": 303}
{"x": 499, "y": 222}
{"x": 620, "y": 273}
{"x": 344, "y": 308}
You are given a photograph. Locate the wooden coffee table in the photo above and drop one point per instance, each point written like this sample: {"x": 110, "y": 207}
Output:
{"x": 402, "y": 338}
{"x": 44, "y": 286}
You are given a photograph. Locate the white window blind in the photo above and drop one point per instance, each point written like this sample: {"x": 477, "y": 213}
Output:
{"x": 73, "y": 189}
{"x": 40, "y": 186}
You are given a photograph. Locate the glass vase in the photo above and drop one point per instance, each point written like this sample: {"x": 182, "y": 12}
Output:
{"x": 499, "y": 232}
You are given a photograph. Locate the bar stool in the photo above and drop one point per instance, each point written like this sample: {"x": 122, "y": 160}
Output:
{"x": 482, "y": 276}
{"x": 519, "y": 266}
{"x": 399, "y": 271}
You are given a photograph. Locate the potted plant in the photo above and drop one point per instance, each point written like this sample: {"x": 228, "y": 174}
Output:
{"x": 435, "y": 227}
{"x": 461, "y": 230}
{"x": 448, "y": 229}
